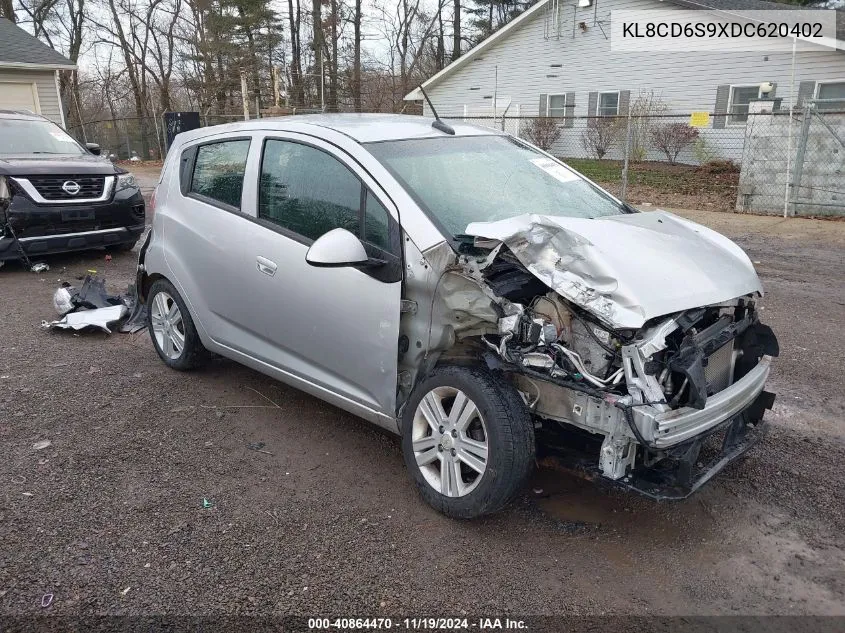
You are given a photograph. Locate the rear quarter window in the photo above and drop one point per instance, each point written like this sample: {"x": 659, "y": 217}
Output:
{"x": 218, "y": 172}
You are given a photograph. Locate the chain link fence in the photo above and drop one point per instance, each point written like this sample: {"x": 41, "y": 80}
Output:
{"x": 770, "y": 162}
{"x": 766, "y": 162}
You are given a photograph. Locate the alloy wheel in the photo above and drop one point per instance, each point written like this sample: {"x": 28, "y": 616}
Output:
{"x": 168, "y": 326}
{"x": 449, "y": 440}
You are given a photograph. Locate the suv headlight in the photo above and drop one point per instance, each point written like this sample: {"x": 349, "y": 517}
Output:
{"x": 126, "y": 181}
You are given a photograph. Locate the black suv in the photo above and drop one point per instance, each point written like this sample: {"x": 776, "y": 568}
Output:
{"x": 64, "y": 196}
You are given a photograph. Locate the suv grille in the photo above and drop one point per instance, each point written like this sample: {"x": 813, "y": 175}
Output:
{"x": 50, "y": 187}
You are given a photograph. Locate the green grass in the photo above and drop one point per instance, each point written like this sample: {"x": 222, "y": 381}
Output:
{"x": 598, "y": 170}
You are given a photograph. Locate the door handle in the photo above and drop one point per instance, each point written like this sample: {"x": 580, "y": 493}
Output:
{"x": 266, "y": 266}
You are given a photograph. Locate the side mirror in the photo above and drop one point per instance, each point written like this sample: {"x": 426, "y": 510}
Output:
{"x": 93, "y": 148}
{"x": 336, "y": 249}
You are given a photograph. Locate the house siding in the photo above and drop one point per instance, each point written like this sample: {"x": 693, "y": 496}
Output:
{"x": 685, "y": 82}
{"x": 48, "y": 96}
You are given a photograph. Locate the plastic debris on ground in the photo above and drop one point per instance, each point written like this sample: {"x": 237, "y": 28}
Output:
{"x": 99, "y": 318}
{"x": 42, "y": 444}
{"x": 92, "y": 306}
{"x": 40, "y": 267}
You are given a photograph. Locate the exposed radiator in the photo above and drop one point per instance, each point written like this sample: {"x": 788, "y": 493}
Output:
{"x": 719, "y": 369}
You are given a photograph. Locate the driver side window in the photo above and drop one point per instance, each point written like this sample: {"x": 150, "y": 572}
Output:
{"x": 307, "y": 191}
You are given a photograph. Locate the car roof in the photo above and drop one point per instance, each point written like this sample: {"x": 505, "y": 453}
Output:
{"x": 25, "y": 115}
{"x": 363, "y": 128}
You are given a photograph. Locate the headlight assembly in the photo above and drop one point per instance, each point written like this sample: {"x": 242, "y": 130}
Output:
{"x": 126, "y": 181}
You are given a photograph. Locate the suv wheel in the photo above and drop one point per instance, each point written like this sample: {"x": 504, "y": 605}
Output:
{"x": 172, "y": 329}
{"x": 467, "y": 440}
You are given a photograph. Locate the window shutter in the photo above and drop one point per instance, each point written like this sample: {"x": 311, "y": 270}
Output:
{"x": 544, "y": 101}
{"x": 593, "y": 104}
{"x": 806, "y": 91}
{"x": 570, "y": 110}
{"x": 624, "y": 102}
{"x": 723, "y": 93}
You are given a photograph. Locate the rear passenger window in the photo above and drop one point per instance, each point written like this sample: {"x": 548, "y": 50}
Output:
{"x": 219, "y": 171}
{"x": 307, "y": 191}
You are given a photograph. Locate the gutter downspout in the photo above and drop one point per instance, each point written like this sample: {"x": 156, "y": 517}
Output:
{"x": 59, "y": 95}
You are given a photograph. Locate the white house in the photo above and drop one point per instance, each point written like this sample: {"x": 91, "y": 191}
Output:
{"x": 29, "y": 73}
{"x": 556, "y": 60}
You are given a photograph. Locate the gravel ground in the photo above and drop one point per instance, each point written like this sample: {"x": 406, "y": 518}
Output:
{"x": 151, "y": 498}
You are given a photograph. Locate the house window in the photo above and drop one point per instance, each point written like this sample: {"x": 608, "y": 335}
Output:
{"x": 738, "y": 102}
{"x": 831, "y": 94}
{"x": 557, "y": 106}
{"x": 608, "y": 104}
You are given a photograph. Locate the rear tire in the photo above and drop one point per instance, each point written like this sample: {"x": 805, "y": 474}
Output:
{"x": 172, "y": 329}
{"x": 467, "y": 440}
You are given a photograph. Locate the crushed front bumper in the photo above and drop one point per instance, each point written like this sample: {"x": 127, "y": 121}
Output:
{"x": 52, "y": 228}
{"x": 670, "y": 428}
{"x": 692, "y": 465}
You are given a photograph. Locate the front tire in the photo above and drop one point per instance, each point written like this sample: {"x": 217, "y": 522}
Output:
{"x": 172, "y": 329}
{"x": 467, "y": 440}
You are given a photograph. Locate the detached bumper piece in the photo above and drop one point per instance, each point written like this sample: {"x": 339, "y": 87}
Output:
{"x": 92, "y": 306}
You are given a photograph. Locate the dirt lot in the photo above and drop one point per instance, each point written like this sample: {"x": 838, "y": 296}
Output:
{"x": 150, "y": 499}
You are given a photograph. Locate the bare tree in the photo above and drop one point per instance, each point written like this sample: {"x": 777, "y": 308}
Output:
{"x": 7, "y": 10}
{"x": 356, "y": 58}
{"x": 456, "y": 30}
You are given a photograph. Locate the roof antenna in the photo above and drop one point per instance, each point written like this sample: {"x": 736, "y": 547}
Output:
{"x": 438, "y": 124}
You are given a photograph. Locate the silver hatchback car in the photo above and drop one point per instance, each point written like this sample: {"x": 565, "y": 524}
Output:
{"x": 465, "y": 290}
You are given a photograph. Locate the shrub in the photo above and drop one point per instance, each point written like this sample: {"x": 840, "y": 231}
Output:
{"x": 600, "y": 136}
{"x": 543, "y": 132}
{"x": 672, "y": 138}
{"x": 720, "y": 167}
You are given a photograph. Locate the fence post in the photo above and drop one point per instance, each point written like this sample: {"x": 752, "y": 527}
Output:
{"x": 158, "y": 137}
{"x": 126, "y": 135}
{"x": 798, "y": 167}
{"x": 628, "y": 135}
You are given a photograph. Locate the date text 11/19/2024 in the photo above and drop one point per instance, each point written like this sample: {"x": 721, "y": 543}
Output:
{"x": 416, "y": 624}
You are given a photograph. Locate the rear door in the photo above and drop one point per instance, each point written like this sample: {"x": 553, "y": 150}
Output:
{"x": 207, "y": 231}
{"x": 337, "y": 328}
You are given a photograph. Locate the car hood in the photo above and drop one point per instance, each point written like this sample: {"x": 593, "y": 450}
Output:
{"x": 49, "y": 164}
{"x": 626, "y": 269}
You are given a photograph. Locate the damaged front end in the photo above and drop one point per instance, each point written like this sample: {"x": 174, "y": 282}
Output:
{"x": 658, "y": 404}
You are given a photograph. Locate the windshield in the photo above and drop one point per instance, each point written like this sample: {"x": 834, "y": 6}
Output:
{"x": 465, "y": 179}
{"x": 19, "y": 136}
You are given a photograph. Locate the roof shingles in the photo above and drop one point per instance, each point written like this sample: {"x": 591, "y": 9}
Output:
{"x": 19, "y": 47}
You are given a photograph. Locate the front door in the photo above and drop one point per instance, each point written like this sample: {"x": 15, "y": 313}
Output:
{"x": 337, "y": 328}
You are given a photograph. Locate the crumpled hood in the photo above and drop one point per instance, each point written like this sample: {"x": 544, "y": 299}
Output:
{"x": 627, "y": 269}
